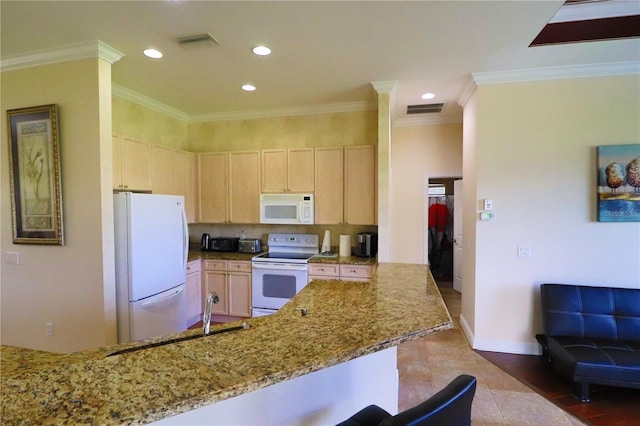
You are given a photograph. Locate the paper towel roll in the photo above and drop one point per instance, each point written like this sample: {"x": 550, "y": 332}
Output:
{"x": 326, "y": 242}
{"x": 345, "y": 245}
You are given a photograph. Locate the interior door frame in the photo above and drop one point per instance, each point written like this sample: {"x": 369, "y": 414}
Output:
{"x": 425, "y": 210}
{"x": 458, "y": 235}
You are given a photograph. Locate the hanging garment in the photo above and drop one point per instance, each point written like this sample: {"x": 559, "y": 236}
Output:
{"x": 438, "y": 216}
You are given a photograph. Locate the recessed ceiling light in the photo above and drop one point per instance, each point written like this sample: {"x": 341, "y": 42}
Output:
{"x": 248, "y": 87}
{"x": 153, "y": 53}
{"x": 261, "y": 50}
{"x": 428, "y": 96}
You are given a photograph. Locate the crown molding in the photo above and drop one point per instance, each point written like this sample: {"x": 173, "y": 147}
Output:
{"x": 545, "y": 73}
{"x": 555, "y": 73}
{"x": 71, "y": 52}
{"x": 384, "y": 86}
{"x": 135, "y": 97}
{"x": 467, "y": 90}
{"x": 427, "y": 121}
{"x": 145, "y": 101}
{"x": 284, "y": 112}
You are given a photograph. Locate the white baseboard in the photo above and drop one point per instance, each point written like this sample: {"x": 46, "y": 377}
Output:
{"x": 521, "y": 348}
{"x": 466, "y": 329}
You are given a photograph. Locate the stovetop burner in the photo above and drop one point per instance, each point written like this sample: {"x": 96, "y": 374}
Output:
{"x": 272, "y": 255}
{"x": 293, "y": 248}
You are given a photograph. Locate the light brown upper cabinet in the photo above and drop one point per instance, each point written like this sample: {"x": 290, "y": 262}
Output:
{"x": 172, "y": 173}
{"x": 360, "y": 185}
{"x": 161, "y": 170}
{"x": 229, "y": 187}
{"x": 329, "y": 186}
{"x": 287, "y": 170}
{"x": 184, "y": 181}
{"x": 244, "y": 187}
{"x": 213, "y": 187}
{"x": 131, "y": 164}
{"x": 345, "y": 185}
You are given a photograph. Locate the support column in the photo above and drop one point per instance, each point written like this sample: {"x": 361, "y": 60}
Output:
{"x": 385, "y": 90}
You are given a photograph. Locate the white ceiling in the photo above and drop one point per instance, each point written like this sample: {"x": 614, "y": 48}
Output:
{"x": 324, "y": 52}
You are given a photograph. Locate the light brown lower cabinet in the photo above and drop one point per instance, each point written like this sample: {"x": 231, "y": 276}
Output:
{"x": 357, "y": 272}
{"x": 343, "y": 272}
{"x": 231, "y": 280}
{"x": 194, "y": 292}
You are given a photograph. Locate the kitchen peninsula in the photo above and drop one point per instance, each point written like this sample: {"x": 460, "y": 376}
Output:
{"x": 344, "y": 322}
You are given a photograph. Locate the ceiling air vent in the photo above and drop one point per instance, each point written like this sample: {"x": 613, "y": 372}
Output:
{"x": 425, "y": 108}
{"x": 197, "y": 40}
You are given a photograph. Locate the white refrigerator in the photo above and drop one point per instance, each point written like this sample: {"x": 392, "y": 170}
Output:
{"x": 151, "y": 247}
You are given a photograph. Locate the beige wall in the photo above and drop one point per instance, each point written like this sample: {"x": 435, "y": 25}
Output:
{"x": 417, "y": 153}
{"x": 139, "y": 122}
{"x": 469, "y": 206}
{"x": 332, "y": 129}
{"x": 534, "y": 151}
{"x": 71, "y": 286}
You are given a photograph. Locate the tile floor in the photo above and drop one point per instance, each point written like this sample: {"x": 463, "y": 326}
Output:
{"x": 428, "y": 364}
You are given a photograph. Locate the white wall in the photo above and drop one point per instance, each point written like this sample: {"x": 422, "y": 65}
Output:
{"x": 71, "y": 285}
{"x": 534, "y": 150}
{"x": 417, "y": 153}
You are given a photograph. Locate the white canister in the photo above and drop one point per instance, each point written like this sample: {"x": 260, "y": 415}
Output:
{"x": 326, "y": 242}
{"x": 345, "y": 245}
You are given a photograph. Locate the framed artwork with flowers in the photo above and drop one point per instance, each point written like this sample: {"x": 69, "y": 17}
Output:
{"x": 34, "y": 170}
{"x": 619, "y": 183}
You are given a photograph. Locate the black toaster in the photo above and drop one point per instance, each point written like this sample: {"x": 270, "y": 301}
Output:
{"x": 250, "y": 245}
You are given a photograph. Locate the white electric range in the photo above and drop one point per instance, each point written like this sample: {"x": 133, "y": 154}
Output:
{"x": 282, "y": 272}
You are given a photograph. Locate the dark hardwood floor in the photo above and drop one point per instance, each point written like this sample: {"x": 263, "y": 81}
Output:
{"x": 609, "y": 406}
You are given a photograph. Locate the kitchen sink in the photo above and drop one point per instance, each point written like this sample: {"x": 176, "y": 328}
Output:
{"x": 177, "y": 340}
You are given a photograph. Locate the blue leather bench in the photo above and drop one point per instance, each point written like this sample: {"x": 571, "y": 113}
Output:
{"x": 592, "y": 334}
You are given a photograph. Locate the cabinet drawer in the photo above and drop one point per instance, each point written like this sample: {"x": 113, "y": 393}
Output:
{"x": 193, "y": 266}
{"x": 355, "y": 271}
{"x": 215, "y": 265}
{"x": 238, "y": 266}
{"x": 324, "y": 269}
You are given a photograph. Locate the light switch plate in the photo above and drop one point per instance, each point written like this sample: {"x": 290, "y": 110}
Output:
{"x": 11, "y": 258}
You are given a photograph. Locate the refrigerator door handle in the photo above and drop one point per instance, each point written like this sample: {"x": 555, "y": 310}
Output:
{"x": 185, "y": 239}
{"x": 155, "y": 302}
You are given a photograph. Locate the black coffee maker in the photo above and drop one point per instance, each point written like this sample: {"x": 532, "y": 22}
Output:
{"x": 366, "y": 244}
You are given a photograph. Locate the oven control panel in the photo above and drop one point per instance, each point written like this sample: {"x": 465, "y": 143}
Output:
{"x": 293, "y": 240}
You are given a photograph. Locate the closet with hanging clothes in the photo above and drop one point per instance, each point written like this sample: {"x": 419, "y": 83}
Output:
{"x": 440, "y": 216}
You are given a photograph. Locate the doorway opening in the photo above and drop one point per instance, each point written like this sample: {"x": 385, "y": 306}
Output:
{"x": 440, "y": 206}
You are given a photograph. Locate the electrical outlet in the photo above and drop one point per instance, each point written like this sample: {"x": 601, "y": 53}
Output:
{"x": 49, "y": 328}
{"x": 524, "y": 251}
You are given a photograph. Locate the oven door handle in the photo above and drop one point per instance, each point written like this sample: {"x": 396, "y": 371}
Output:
{"x": 279, "y": 266}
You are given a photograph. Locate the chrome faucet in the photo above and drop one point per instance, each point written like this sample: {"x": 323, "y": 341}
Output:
{"x": 206, "y": 318}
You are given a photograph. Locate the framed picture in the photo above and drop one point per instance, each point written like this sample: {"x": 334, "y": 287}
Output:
{"x": 34, "y": 169}
{"x": 619, "y": 183}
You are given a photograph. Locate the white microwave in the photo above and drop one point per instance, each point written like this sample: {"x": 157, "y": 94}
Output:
{"x": 286, "y": 209}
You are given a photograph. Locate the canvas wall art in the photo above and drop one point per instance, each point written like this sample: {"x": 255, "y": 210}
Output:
{"x": 619, "y": 183}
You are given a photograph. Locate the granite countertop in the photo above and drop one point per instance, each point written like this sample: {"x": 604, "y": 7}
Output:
{"x": 343, "y": 322}
{"x": 346, "y": 260}
{"x": 198, "y": 254}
